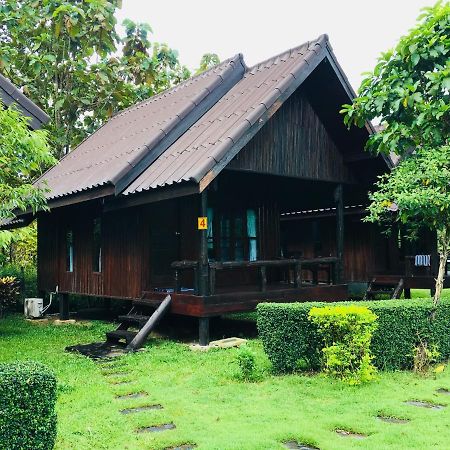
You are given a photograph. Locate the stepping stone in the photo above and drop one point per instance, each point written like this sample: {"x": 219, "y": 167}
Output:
{"x": 141, "y": 409}
{"x": 120, "y": 382}
{"x": 346, "y": 433}
{"x": 422, "y": 404}
{"x": 392, "y": 419}
{"x": 112, "y": 374}
{"x": 182, "y": 447}
{"x": 296, "y": 446}
{"x": 156, "y": 428}
{"x": 132, "y": 395}
{"x": 443, "y": 391}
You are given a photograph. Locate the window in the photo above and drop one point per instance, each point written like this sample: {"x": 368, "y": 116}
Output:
{"x": 238, "y": 236}
{"x": 97, "y": 245}
{"x": 69, "y": 250}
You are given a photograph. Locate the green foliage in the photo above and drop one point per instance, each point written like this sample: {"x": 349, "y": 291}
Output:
{"x": 9, "y": 293}
{"x": 68, "y": 58}
{"x": 207, "y": 61}
{"x": 247, "y": 364}
{"x": 19, "y": 247}
{"x": 27, "y": 276}
{"x": 23, "y": 155}
{"x": 409, "y": 88}
{"x": 291, "y": 340}
{"x": 346, "y": 332}
{"x": 27, "y": 406}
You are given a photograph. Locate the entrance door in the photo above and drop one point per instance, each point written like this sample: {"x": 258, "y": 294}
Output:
{"x": 164, "y": 243}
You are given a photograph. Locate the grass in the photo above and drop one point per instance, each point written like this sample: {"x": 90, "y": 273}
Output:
{"x": 202, "y": 395}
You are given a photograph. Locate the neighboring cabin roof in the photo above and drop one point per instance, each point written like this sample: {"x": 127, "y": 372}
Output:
{"x": 136, "y": 136}
{"x": 9, "y": 94}
{"x": 190, "y": 132}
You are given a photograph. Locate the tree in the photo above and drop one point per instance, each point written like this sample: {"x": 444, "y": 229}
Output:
{"x": 23, "y": 155}
{"x": 207, "y": 61}
{"x": 409, "y": 92}
{"x": 69, "y": 59}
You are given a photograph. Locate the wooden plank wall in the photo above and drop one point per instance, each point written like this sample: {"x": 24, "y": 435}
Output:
{"x": 294, "y": 142}
{"x": 366, "y": 250}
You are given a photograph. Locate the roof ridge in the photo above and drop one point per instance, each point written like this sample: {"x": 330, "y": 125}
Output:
{"x": 184, "y": 83}
{"x": 322, "y": 39}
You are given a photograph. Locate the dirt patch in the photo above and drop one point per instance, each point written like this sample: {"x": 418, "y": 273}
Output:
{"x": 352, "y": 434}
{"x": 140, "y": 409}
{"x": 298, "y": 446}
{"x": 132, "y": 395}
{"x": 156, "y": 428}
{"x": 389, "y": 419}
{"x": 114, "y": 373}
{"x": 422, "y": 404}
{"x": 98, "y": 350}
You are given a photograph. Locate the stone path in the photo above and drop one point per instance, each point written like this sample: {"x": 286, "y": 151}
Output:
{"x": 111, "y": 369}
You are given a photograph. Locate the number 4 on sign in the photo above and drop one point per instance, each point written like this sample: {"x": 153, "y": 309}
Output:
{"x": 202, "y": 223}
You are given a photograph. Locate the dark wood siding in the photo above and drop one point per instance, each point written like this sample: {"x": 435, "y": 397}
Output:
{"x": 294, "y": 142}
{"x": 366, "y": 250}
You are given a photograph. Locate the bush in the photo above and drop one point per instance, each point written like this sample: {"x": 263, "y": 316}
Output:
{"x": 247, "y": 364}
{"x": 347, "y": 332}
{"x": 27, "y": 407}
{"x": 291, "y": 340}
{"x": 9, "y": 293}
{"x": 26, "y": 275}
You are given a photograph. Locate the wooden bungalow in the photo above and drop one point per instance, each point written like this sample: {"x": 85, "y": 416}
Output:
{"x": 237, "y": 186}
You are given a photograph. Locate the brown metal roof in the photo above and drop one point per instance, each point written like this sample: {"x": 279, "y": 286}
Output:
{"x": 188, "y": 133}
{"x": 207, "y": 142}
{"x": 9, "y": 94}
{"x": 130, "y": 140}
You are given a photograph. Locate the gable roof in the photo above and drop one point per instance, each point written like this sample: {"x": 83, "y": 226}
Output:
{"x": 189, "y": 133}
{"x": 133, "y": 138}
{"x": 212, "y": 138}
{"x": 9, "y": 94}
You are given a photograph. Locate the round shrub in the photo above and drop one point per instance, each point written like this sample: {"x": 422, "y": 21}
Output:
{"x": 27, "y": 407}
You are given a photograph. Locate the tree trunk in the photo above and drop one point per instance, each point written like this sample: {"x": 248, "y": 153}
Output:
{"x": 443, "y": 249}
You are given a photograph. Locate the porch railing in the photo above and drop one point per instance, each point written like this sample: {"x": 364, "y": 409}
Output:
{"x": 298, "y": 265}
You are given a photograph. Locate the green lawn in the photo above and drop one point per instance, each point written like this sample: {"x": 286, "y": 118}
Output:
{"x": 210, "y": 407}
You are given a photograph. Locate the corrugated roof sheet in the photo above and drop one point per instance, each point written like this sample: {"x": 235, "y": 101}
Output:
{"x": 119, "y": 145}
{"x": 209, "y": 139}
{"x": 11, "y": 95}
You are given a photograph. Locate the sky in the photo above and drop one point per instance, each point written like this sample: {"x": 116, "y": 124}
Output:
{"x": 359, "y": 30}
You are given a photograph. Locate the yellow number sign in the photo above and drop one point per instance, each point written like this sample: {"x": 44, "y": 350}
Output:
{"x": 202, "y": 223}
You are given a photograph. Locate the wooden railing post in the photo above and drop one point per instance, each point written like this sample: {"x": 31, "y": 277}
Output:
{"x": 263, "y": 278}
{"x": 203, "y": 285}
{"x": 298, "y": 274}
{"x": 339, "y": 202}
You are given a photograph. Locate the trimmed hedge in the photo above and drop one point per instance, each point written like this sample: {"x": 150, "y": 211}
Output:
{"x": 292, "y": 342}
{"x": 27, "y": 407}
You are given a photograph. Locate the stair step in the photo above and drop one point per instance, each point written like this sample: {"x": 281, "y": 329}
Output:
{"x": 118, "y": 335}
{"x": 147, "y": 302}
{"x": 134, "y": 318}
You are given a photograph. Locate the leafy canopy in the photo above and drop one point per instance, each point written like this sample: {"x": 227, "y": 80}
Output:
{"x": 69, "y": 59}
{"x": 23, "y": 155}
{"x": 409, "y": 89}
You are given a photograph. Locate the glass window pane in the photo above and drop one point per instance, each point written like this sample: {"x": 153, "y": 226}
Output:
{"x": 69, "y": 251}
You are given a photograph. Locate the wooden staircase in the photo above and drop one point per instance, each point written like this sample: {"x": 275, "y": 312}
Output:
{"x": 140, "y": 323}
{"x": 382, "y": 286}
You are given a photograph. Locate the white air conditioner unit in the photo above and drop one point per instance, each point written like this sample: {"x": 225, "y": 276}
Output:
{"x": 34, "y": 308}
